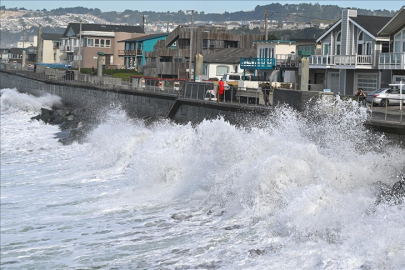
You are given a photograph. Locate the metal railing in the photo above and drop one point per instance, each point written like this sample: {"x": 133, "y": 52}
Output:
{"x": 341, "y": 60}
{"x": 392, "y": 61}
{"x": 130, "y": 52}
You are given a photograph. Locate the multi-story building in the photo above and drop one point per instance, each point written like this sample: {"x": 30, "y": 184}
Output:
{"x": 170, "y": 57}
{"x": 394, "y": 60}
{"x": 50, "y": 52}
{"x": 357, "y": 52}
{"x": 135, "y": 49}
{"x": 97, "y": 38}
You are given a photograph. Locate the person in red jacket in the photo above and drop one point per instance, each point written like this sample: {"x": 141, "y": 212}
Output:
{"x": 221, "y": 88}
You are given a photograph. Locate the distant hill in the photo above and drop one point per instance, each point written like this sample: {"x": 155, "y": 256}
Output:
{"x": 293, "y": 12}
{"x": 59, "y": 18}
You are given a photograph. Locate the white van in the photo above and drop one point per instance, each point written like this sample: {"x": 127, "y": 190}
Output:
{"x": 231, "y": 77}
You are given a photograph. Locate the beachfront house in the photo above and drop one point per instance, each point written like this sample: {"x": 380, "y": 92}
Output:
{"x": 394, "y": 60}
{"x": 350, "y": 54}
{"x": 135, "y": 49}
{"x": 97, "y": 38}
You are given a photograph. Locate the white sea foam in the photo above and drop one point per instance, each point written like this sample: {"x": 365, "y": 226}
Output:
{"x": 296, "y": 191}
{"x": 11, "y": 99}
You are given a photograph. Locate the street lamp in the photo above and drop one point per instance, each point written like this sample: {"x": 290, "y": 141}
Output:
{"x": 191, "y": 43}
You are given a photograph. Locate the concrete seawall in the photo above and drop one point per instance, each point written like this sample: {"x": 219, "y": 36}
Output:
{"x": 138, "y": 103}
{"x": 135, "y": 103}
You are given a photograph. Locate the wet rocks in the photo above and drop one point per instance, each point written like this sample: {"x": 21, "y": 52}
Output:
{"x": 70, "y": 121}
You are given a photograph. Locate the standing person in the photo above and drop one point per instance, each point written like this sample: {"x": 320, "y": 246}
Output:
{"x": 362, "y": 96}
{"x": 92, "y": 70}
{"x": 266, "y": 91}
{"x": 221, "y": 89}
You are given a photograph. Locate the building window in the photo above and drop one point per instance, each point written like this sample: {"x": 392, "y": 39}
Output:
{"x": 221, "y": 70}
{"x": 107, "y": 43}
{"x": 399, "y": 42}
{"x": 96, "y": 42}
{"x": 178, "y": 60}
{"x": 326, "y": 48}
{"x": 54, "y": 56}
{"x": 360, "y": 42}
{"x": 102, "y": 41}
{"x": 90, "y": 42}
{"x": 338, "y": 43}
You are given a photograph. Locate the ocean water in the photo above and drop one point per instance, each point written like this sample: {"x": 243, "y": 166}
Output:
{"x": 290, "y": 191}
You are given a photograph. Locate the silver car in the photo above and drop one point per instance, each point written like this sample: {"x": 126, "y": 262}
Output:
{"x": 385, "y": 96}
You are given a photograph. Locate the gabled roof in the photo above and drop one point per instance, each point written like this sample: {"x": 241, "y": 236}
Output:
{"x": 229, "y": 56}
{"x": 395, "y": 22}
{"x": 103, "y": 28}
{"x": 329, "y": 30}
{"x": 51, "y": 36}
{"x": 371, "y": 24}
{"x": 143, "y": 38}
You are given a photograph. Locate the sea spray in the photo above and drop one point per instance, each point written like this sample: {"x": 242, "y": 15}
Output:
{"x": 293, "y": 191}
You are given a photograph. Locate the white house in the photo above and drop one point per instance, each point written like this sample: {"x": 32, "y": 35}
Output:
{"x": 215, "y": 65}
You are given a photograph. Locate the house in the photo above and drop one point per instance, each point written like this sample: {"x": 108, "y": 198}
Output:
{"x": 15, "y": 55}
{"x": 394, "y": 60}
{"x": 285, "y": 60}
{"x": 216, "y": 64}
{"x": 350, "y": 54}
{"x": 4, "y": 53}
{"x": 50, "y": 52}
{"x": 135, "y": 49}
{"x": 96, "y": 38}
{"x": 167, "y": 61}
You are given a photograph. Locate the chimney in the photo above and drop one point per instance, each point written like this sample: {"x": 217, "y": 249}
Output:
{"x": 346, "y": 31}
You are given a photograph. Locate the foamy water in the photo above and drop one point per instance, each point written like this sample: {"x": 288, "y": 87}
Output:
{"x": 290, "y": 192}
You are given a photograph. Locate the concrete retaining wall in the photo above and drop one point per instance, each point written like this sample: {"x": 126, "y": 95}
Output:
{"x": 135, "y": 103}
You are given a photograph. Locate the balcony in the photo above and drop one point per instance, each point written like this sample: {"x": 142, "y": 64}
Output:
{"x": 392, "y": 61}
{"x": 351, "y": 61}
{"x": 257, "y": 63}
{"x": 67, "y": 48}
{"x": 287, "y": 60}
{"x": 130, "y": 52}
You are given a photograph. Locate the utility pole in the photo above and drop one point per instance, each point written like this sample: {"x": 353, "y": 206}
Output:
{"x": 143, "y": 22}
{"x": 80, "y": 45}
{"x": 265, "y": 26}
{"x": 190, "y": 64}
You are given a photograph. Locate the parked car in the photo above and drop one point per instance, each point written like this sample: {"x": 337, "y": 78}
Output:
{"x": 385, "y": 96}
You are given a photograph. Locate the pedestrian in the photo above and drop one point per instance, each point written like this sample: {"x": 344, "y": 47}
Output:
{"x": 266, "y": 92}
{"x": 35, "y": 68}
{"x": 221, "y": 89}
{"x": 361, "y": 96}
{"x": 92, "y": 70}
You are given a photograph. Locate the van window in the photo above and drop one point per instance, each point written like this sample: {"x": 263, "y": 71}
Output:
{"x": 234, "y": 77}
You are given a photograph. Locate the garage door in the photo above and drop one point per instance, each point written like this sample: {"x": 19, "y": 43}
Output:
{"x": 367, "y": 82}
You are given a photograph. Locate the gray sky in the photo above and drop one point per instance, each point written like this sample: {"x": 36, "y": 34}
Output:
{"x": 208, "y": 6}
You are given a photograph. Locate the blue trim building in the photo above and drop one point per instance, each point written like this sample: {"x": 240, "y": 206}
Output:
{"x": 135, "y": 49}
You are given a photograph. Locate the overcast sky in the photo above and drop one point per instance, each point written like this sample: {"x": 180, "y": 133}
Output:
{"x": 208, "y": 6}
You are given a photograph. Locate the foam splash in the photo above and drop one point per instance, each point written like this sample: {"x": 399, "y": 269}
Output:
{"x": 11, "y": 99}
{"x": 292, "y": 185}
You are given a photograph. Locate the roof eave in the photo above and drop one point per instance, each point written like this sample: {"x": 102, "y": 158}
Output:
{"x": 401, "y": 10}
{"x": 330, "y": 30}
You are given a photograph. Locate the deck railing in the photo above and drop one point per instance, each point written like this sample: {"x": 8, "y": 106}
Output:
{"x": 392, "y": 61}
{"x": 347, "y": 60}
